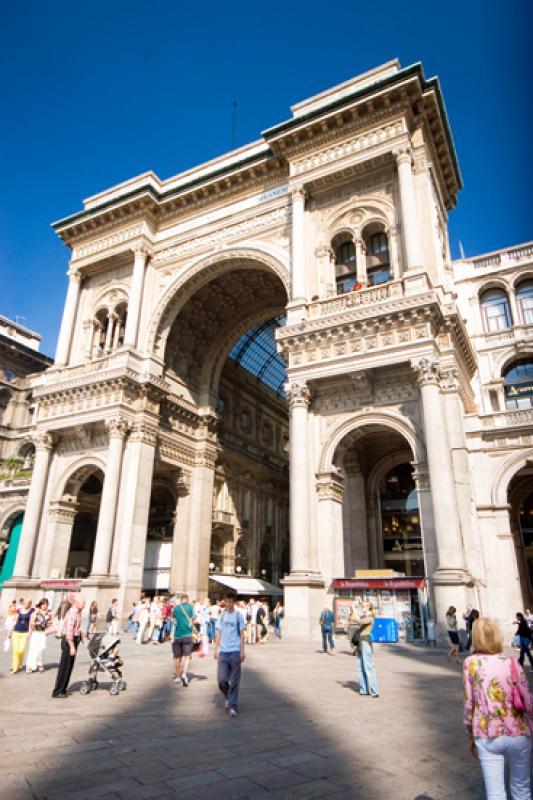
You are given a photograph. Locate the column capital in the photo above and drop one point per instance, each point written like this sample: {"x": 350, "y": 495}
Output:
{"x": 74, "y": 275}
{"x": 183, "y": 483}
{"x": 428, "y": 371}
{"x": 298, "y": 395}
{"x": 330, "y": 486}
{"x": 61, "y": 511}
{"x": 141, "y": 251}
{"x": 403, "y": 154}
{"x": 298, "y": 193}
{"x": 117, "y": 428}
{"x": 141, "y": 432}
{"x": 43, "y": 440}
{"x": 449, "y": 379}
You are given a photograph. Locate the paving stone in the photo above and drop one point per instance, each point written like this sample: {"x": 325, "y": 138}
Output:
{"x": 303, "y": 731}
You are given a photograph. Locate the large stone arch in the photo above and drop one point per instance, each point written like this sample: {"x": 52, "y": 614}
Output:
{"x": 9, "y": 514}
{"x": 197, "y": 275}
{"x": 505, "y": 473}
{"x": 387, "y": 419}
{"x": 73, "y": 476}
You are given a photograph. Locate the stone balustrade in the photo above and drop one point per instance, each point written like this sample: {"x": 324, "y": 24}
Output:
{"x": 500, "y": 257}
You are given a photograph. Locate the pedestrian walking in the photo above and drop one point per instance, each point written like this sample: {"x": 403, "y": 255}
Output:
{"x": 453, "y": 634}
{"x": 278, "y": 617}
{"x": 368, "y": 682}
{"x": 327, "y": 621}
{"x": 182, "y": 645}
{"x": 9, "y": 623}
{"x": 497, "y": 713}
{"x": 130, "y": 624}
{"x": 156, "y": 619}
{"x": 40, "y": 627}
{"x": 251, "y": 622}
{"x": 261, "y": 618}
{"x": 523, "y": 632}
{"x": 214, "y": 612}
{"x": 229, "y": 650}
{"x": 431, "y": 632}
{"x": 93, "y": 617}
{"x": 143, "y": 620}
{"x": 71, "y": 638}
{"x": 20, "y": 635}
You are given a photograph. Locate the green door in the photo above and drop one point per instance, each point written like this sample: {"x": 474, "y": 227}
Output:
{"x": 8, "y": 564}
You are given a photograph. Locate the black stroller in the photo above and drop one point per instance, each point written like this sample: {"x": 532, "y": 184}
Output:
{"x": 102, "y": 649}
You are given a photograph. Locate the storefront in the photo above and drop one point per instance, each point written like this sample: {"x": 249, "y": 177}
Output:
{"x": 399, "y": 598}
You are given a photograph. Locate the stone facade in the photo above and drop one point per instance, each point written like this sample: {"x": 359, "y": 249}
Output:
{"x": 336, "y": 218}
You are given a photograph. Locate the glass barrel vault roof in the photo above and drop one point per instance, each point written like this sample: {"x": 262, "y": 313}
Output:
{"x": 256, "y": 352}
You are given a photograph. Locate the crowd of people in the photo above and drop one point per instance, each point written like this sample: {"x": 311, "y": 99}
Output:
{"x": 497, "y": 707}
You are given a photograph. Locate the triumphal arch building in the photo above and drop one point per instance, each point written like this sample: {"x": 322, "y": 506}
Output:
{"x": 269, "y": 365}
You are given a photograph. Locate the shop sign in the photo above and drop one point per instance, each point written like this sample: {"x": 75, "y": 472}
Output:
{"x": 378, "y": 583}
{"x": 69, "y": 584}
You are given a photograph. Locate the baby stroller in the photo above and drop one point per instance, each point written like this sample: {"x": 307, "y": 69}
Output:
{"x": 103, "y": 650}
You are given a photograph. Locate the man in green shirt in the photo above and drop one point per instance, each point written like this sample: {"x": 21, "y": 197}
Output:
{"x": 182, "y": 645}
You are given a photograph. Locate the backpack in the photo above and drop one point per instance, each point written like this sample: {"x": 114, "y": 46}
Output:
{"x": 109, "y": 616}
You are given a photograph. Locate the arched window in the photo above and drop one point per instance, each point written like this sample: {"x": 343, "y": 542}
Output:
{"x": 345, "y": 265}
{"x": 496, "y": 311}
{"x": 524, "y": 295}
{"x": 377, "y": 256}
{"x": 518, "y": 383}
{"x": 5, "y": 397}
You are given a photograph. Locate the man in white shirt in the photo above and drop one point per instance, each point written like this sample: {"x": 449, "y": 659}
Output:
{"x": 229, "y": 649}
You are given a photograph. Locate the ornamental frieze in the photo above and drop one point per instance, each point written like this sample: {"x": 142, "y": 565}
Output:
{"x": 211, "y": 240}
{"x": 358, "y": 144}
{"x": 111, "y": 240}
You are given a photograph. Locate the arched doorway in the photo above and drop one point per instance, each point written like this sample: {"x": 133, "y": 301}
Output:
{"x": 400, "y": 522}
{"x": 83, "y": 537}
{"x": 9, "y": 542}
{"x": 158, "y": 553}
{"x": 218, "y": 337}
{"x": 520, "y": 496}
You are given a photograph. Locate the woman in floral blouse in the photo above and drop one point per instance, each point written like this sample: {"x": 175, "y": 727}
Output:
{"x": 497, "y": 730}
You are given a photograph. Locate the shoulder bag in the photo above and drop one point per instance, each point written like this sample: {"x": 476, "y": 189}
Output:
{"x": 195, "y": 635}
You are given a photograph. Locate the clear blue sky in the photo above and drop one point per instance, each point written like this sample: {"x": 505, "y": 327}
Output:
{"x": 92, "y": 94}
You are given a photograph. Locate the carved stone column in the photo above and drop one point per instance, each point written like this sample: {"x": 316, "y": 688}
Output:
{"x": 409, "y": 211}
{"x": 111, "y": 321}
{"x": 136, "y": 293}
{"x": 299, "y": 267}
{"x": 304, "y": 587}
{"x": 44, "y": 444}
{"x": 200, "y": 521}
{"x": 360, "y": 261}
{"x": 117, "y": 429}
{"x": 330, "y": 490}
{"x": 135, "y": 493}
{"x": 53, "y": 559}
{"x": 451, "y": 572}
{"x": 66, "y": 331}
{"x": 181, "y": 536}
{"x": 298, "y": 396}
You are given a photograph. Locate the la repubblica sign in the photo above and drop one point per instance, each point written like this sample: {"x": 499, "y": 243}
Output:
{"x": 378, "y": 583}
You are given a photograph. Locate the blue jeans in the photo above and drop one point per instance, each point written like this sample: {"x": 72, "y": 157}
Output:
{"x": 211, "y": 629}
{"x": 277, "y": 627}
{"x": 525, "y": 651}
{"x": 368, "y": 682}
{"x": 229, "y": 676}
{"x": 129, "y": 626}
{"x": 493, "y": 753}
{"x": 327, "y": 636}
{"x": 135, "y": 630}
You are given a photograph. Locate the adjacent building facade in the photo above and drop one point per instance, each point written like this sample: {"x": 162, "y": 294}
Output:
{"x": 168, "y": 448}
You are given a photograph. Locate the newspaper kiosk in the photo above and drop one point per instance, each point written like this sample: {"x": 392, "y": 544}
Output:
{"x": 393, "y": 596}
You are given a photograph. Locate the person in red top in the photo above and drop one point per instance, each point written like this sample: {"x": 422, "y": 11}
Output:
{"x": 72, "y": 634}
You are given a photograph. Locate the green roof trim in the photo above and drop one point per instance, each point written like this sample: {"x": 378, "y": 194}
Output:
{"x": 162, "y": 196}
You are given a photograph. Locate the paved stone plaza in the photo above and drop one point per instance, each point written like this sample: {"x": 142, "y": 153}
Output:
{"x": 303, "y": 731}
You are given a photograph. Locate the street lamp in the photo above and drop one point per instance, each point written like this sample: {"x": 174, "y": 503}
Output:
{"x": 238, "y": 569}
{"x": 211, "y": 566}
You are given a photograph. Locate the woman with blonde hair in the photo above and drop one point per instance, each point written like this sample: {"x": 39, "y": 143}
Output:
{"x": 497, "y": 713}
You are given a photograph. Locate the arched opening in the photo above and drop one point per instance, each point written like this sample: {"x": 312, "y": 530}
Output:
{"x": 400, "y": 522}
{"x": 495, "y": 310}
{"x": 9, "y": 542}
{"x": 520, "y": 497}
{"x": 158, "y": 553}
{"x": 524, "y": 297}
{"x": 220, "y": 352}
{"x": 27, "y": 456}
{"x": 88, "y": 496}
{"x": 5, "y": 397}
{"x": 518, "y": 384}
{"x": 345, "y": 262}
{"x": 377, "y": 254}
{"x": 265, "y": 562}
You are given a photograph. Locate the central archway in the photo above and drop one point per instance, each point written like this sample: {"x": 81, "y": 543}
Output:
{"x": 216, "y": 338}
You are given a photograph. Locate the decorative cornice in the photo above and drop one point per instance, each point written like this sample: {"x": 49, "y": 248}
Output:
{"x": 145, "y": 433}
